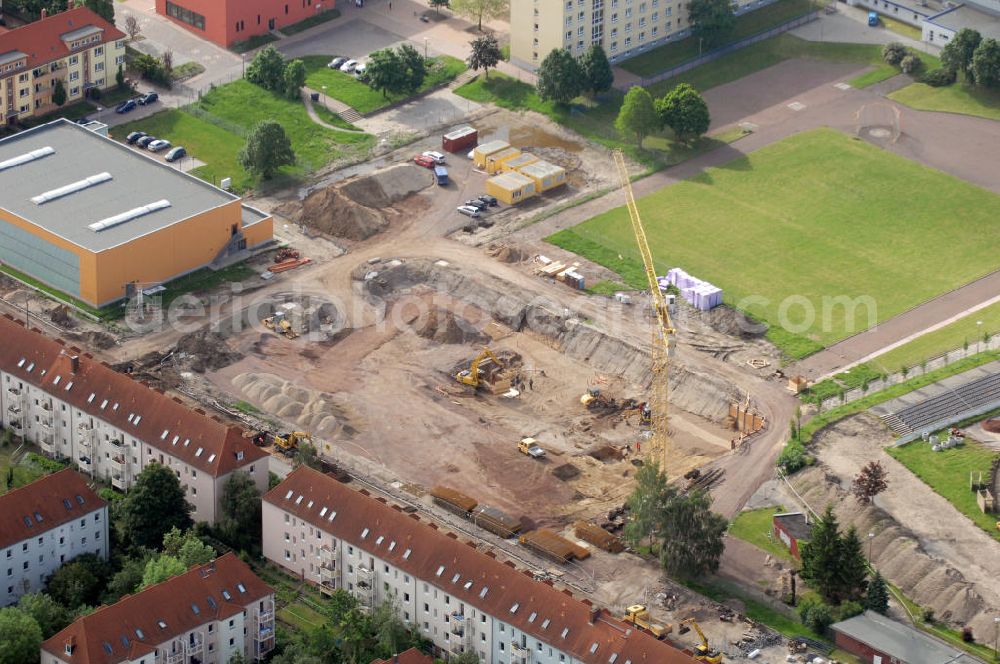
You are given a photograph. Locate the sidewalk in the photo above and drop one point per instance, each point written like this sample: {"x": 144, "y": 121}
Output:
{"x": 850, "y": 25}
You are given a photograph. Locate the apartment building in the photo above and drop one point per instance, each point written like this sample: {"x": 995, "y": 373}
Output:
{"x": 206, "y": 616}
{"x": 460, "y": 598}
{"x": 45, "y": 524}
{"x": 77, "y": 47}
{"x": 111, "y": 426}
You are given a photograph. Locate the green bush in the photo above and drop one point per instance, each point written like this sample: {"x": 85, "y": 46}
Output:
{"x": 848, "y": 610}
{"x": 815, "y": 614}
{"x": 940, "y": 77}
{"x": 894, "y": 53}
{"x": 794, "y": 456}
{"x": 45, "y": 464}
{"x": 911, "y": 64}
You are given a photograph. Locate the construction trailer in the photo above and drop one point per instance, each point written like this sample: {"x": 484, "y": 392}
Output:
{"x": 547, "y": 543}
{"x": 453, "y": 501}
{"x": 598, "y": 536}
{"x": 495, "y": 161}
{"x": 461, "y": 139}
{"x": 511, "y": 188}
{"x": 495, "y": 521}
{"x": 483, "y": 151}
{"x": 545, "y": 175}
{"x": 518, "y": 162}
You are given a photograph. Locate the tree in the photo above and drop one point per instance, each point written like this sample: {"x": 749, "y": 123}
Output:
{"x": 852, "y": 568}
{"x": 870, "y": 482}
{"x": 893, "y": 53}
{"x": 821, "y": 555}
{"x": 385, "y": 72}
{"x": 485, "y": 54}
{"x": 637, "y": 115}
{"x": 20, "y": 637}
{"x": 267, "y": 69}
{"x": 50, "y": 615}
{"x": 477, "y": 10}
{"x": 120, "y": 81}
{"x": 911, "y": 64}
{"x": 132, "y": 27}
{"x": 597, "y": 73}
{"x": 645, "y": 503}
{"x": 127, "y": 579}
{"x": 414, "y": 68}
{"x": 877, "y": 596}
{"x": 685, "y": 112}
{"x": 296, "y": 653}
{"x": 295, "y": 78}
{"x": 308, "y": 456}
{"x": 155, "y": 504}
{"x": 986, "y": 63}
{"x": 391, "y": 635}
{"x": 355, "y": 628}
{"x": 240, "y": 521}
{"x": 167, "y": 60}
{"x": 58, "y": 97}
{"x": 438, "y": 4}
{"x": 957, "y": 54}
{"x": 465, "y": 657}
{"x": 160, "y": 569}
{"x": 560, "y": 77}
{"x": 103, "y": 8}
{"x": 186, "y": 547}
{"x": 74, "y": 584}
{"x": 815, "y": 614}
{"x": 711, "y": 20}
{"x": 267, "y": 149}
{"x": 237, "y": 658}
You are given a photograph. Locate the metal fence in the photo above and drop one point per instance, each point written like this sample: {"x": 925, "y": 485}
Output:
{"x": 726, "y": 50}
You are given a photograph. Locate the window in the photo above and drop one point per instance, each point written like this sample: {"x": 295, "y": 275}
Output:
{"x": 98, "y": 66}
{"x": 99, "y": 50}
{"x": 187, "y": 16}
{"x": 73, "y": 60}
{"x": 74, "y": 75}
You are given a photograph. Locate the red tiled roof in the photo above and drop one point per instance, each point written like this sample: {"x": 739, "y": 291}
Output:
{"x": 46, "y": 503}
{"x": 42, "y": 40}
{"x": 150, "y": 416}
{"x": 132, "y": 626}
{"x": 411, "y": 656}
{"x": 458, "y": 568}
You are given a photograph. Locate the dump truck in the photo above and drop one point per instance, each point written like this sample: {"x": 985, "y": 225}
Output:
{"x": 530, "y": 447}
{"x": 638, "y": 615}
{"x": 702, "y": 651}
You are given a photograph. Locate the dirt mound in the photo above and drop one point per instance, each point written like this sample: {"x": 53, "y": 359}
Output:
{"x": 445, "y": 327}
{"x": 387, "y": 187}
{"x": 606, "y": 453}
{"x": 507, "y": 254}
{"x": 993, "y": 426}
{"x": 313, "y": 411}
{"x": 208, "y": 351}
{"x": 61, "y": 316}
{"x": 566, "y": 472}
{"x": 728, "y": 321}
{"x": 95, "y": 339}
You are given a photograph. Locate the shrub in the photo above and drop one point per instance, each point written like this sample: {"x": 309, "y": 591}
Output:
{"x": 940, "y": 77}
{"x": 794, "y": 457}
{"x": 847, "y": 610}
{"x": 967, "y": 635}
{"x": 894, "y": 53}
{"x": 928, "y": 615}
{"x": 815, "y": 614}
{"x": 911, "y": 64}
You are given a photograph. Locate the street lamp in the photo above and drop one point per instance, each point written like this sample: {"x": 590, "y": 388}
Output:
{"x": 324, "y": 96}
{"x": 100, "y": 109}
{"x": 425, "y": 48}
{"x": 979, "y": 335}
{"x": 871, "y": 536}
{"x": 996, "y": 623}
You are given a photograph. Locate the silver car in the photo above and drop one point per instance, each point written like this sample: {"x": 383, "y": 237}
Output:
{"x": 349, "y": 66}
{"x": 468, "y": 211}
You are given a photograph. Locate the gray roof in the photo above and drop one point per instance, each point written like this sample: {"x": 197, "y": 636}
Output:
{"x": 908, "y": 645}
{"x": 984, "y": 22}
{"x": 79, "y": 33}
{"x": 137, "y": 180}
{"x": 796, "y": 524}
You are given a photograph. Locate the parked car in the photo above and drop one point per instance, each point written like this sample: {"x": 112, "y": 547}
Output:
{"x": 175, "y": 154}
{"x": 359, "y": 71}
{"x": 873, "y": 19}
{"x": 476, "y": 203}
{"x": 349, "y": 66}
{"x": 145, "y": 141}
{"x": 83, "y": 120}
{"x": 149, "y": 98}
{"x": 421, "y": 160}
{"x": 336, "y": 63}
{"x": 158, "y": 146}
{"x": 436, "y": 156}
{"x": 134, "y": 136}
{"x": 468, "y": 211}
{"x": 489, "y": 200}
{"x": 125, "y": 106}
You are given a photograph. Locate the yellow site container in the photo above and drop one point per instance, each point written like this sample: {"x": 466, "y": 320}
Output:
{"x": 518, "y": 162}
{"x": 546, "y": 176}
{"x": 494, "y": 162}
{"x": 483, "y": 151}
{"x": 511, "y": 188}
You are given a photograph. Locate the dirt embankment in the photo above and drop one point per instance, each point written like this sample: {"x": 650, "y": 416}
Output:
{"x": 693, "y": 391}
{"x": 314, "y": 411}
{"x": 359, "y": 208}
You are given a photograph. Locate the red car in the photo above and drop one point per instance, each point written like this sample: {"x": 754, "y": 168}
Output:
{"x": 423, "y": 160}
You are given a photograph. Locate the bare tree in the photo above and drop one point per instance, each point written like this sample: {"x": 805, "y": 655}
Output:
{"x": 870, "y": 482}
{"x": 132, "y": 27}
{"x": 168, "y": 61}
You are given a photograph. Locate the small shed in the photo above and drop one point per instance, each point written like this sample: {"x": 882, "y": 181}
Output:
{"x": 483, "y": 151}
{"x": 511, "y": 188}
{"x": 518, "y": 162}
{"x": 791, "y": 528}
{"x": 495, "y": 161}
{"x": 546, "y": 176}
{"x": 876, "y": 639}
{"x": 460, "y": 139}
{"x": 797, "y": 384}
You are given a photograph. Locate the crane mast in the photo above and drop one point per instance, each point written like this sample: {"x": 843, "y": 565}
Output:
{"x": 662, "y": 333}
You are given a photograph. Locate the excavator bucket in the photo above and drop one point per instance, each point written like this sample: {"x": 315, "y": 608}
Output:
{"x": 684, "y": 629}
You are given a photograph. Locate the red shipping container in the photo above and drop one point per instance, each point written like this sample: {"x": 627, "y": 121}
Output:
{"x": 460, "y": 140}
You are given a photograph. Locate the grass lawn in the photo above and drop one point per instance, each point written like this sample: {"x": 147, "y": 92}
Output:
{"x": 951, "y": 336}
{"x": 781, "y": 252}
{"x": 947, "y": 472}
{"x": 900, "y": 28}
{"x": 24, "y": 473}
{"x": 307, "y": 23}
{"x": 754, "y": 526}
{"x": 955, "y": 98}
{"x": 213, "y": 129}
{"x": 252, "y": 43}
{"x": 300, "y": 617}
{"x": 670, "y": 55}
{"x": 360, "y": 97}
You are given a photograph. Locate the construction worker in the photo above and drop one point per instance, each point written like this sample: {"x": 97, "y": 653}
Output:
{"x": 531, "y": 383}
{"x": 638, "y": 446}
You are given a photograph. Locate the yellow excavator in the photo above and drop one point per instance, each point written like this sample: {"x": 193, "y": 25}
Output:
{"x": 702, "y": 652}
{"x": 281, "y": 325}
{"x": 288, "y": 443}
{"x": 471, "y": 376}
{"x": 639, "y": 616}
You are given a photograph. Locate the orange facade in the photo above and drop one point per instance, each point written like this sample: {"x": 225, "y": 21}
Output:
{"x": 226, "y": 22}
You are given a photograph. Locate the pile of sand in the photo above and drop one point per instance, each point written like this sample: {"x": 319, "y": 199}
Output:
{"x": 62, "y": 317}
{"x": 208, "y": 351}
{"x": 312, "y": 411}
{"x": 445, "y": 327}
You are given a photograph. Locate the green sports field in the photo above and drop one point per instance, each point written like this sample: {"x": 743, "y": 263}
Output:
{"x": 817, "y": 216}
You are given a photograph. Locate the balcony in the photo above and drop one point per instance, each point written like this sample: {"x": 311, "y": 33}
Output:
{"x": 519, "y": 652}
{"x": 47, "y": 442}
{"x": 118, "y": 481}
{"x": 174, "y": 657}
{"x": 116, "y": 442}
{"x": 457, "y": 624}
{"x": 47, "y": 406}
{"x": 14, "y": 391}
{"x": 85, "y": 462}
{"x": 46, "y": 423}
{"x": 14, "y": 409}
{"x": 194, "y": 645}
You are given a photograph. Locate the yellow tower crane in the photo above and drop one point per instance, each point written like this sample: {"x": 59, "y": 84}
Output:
{"x": 663, "y": 332}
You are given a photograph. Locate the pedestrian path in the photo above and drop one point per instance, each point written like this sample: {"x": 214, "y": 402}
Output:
{"x": 334, "y": 106}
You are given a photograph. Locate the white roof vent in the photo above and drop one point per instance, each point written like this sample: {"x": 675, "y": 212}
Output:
{"x": 134, "y": 213}
{"x": 25, "y": 158}
{"x": 72, "y": 188}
